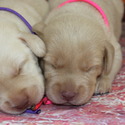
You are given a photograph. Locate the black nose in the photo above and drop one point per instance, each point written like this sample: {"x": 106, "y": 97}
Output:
{"x": 68, "y": 95}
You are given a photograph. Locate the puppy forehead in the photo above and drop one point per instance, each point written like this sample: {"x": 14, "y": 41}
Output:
{"x": 75, "y": 51}
{"x": 91, "y": 55}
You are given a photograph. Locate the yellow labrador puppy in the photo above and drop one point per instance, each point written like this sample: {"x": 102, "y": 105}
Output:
{"x": 21, "y": 80}
{"x": 83, "y": 53}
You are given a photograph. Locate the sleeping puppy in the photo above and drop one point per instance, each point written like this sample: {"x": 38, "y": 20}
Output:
{"x": 83, "y": 54}
{"x": 21, "y": 80}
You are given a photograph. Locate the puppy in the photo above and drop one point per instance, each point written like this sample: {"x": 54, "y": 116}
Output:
{"x": 83, "y": 54}
{"x": 21, "y": 80}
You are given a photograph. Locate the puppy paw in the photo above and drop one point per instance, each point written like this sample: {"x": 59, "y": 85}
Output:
{"x": 104, "y": 85}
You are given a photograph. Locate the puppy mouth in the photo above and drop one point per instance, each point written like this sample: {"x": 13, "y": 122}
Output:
{"x": 17, "y": 109}
{"x": 60, "y": 100}
{"x": 72, "y": 102}
{"x": 21, "y": 107}
{"x": 77, "y": 101}
{"x": 13, "y": 111}
{"x": 68, "y": 103}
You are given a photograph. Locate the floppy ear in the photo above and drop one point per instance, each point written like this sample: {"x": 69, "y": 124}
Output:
{"x": 108, "y": 58}
{"x": 34, "y": 43}
{"x": 38, "y": 28}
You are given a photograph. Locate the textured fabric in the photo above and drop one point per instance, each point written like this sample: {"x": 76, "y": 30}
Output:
{"x": 101, "y": 110}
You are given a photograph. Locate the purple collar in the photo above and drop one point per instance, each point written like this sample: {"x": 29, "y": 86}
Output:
{"x": 20, "y": 16}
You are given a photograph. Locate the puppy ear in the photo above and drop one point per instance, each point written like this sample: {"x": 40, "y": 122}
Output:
{"x": 38, "y": 28}
{"x": 108, "y": 58}
{"x": 34, "y": 43}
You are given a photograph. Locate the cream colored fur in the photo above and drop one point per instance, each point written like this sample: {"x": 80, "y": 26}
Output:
{"x": 83, "y": 54}
{"x": 21, "y": 80}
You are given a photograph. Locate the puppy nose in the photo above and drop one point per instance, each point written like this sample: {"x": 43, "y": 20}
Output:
{"x": 68, "y": 95}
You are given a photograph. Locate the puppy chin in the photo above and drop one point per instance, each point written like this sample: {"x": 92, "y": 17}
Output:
{"x": 9, "y": 110}
{"x": 58, "y": 100}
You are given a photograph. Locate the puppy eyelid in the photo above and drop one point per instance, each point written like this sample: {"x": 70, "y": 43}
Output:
{"x": 85, "y": 69}
{"x": 18, "y": 71}
{"x": 52, "y": 65}
{"x": 22, "y": 63}
{"x": 57, "y": 66}
{"x": 88, "y": 69}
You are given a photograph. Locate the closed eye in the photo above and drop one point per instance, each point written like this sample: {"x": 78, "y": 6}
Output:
{"x": 19, "y": 69}
{"x": 54, "y": 63}
{"x": 90, "y": 69}
{"x": 50, "y": 64}
{"x": 86, "y": 69}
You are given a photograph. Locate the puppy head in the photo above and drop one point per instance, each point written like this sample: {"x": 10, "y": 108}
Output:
{"x": 76, "y": 57}
{"x": 21, "y": 80}
{"x": 71, "y": 75}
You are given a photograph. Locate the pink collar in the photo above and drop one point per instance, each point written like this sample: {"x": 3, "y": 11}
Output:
{"x": 91, "y": 3}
